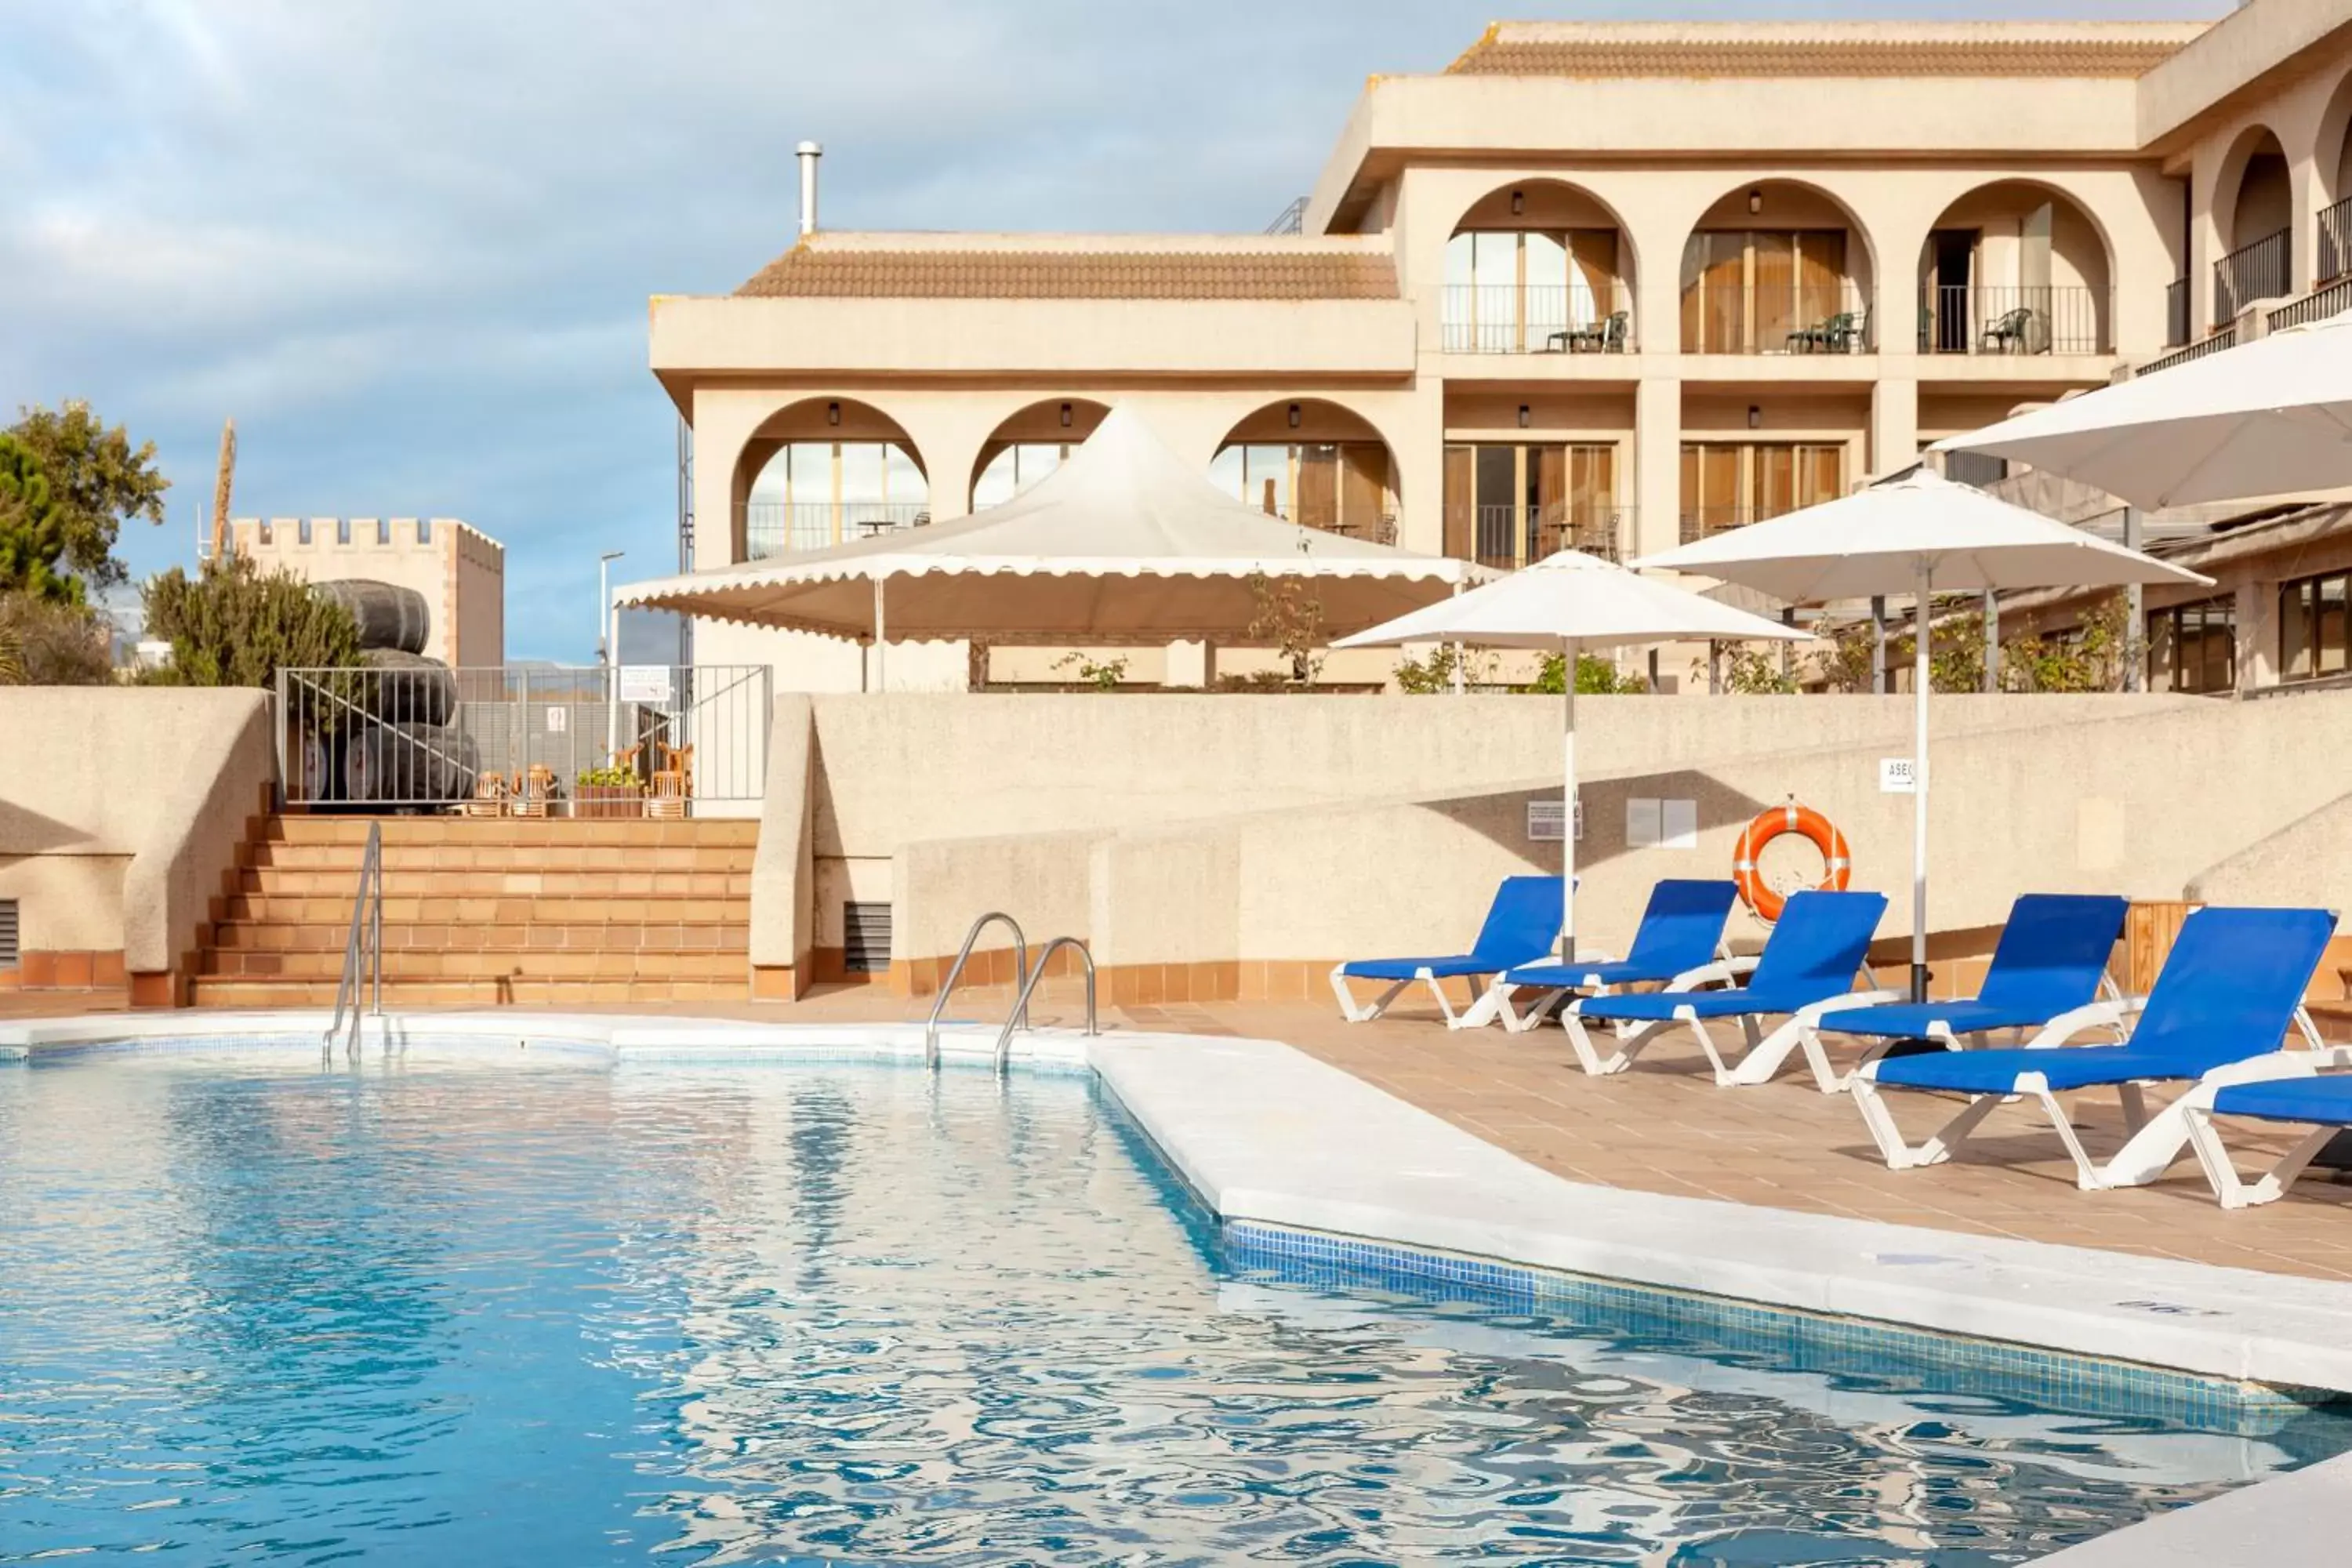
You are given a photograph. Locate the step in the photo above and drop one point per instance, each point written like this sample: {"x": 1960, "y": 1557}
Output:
{"x": 677, "y": 908}
{"x": 267, "y": 854}
{"x": 402, "y": 831}
{"x": 490, "y": 929}
{"x": 278, "y": 882}
{"x": 491, "y": 963}
{"x": 214, "y": 991}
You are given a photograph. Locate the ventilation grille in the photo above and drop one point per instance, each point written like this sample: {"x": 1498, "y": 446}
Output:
{"x": 7, "y": 933}
{"x": 865, "y": 939}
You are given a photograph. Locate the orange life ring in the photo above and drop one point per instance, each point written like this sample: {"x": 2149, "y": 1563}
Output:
{"x": 1770, "y": 824}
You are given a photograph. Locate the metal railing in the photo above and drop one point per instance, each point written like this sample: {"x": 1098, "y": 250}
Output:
{"x": 1535, "y": 318}
{"x": 1504, "y": 537}
{"x": 787, "y": 527}
{"x": 1706, "y": 522}
{"x": 631, "y": 741}
{"x": 2227, "y": 338}
{"x": 2261, "y": 270}
{"x": 1021, "y": 1006}
{"x": 2336, "y": 240}
{"x": 363, "y": 949}
{"x": 1791, "y": 319}
{"x": 2328, "y": 299}
{"x": 1292, "y": 219}
{"x": 1970, "y": 319}
{"x": 947, "y": 987}
{"x": 2176, "y": 313}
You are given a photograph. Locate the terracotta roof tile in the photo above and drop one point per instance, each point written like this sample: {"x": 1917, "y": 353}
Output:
{"x": 814, "y": 272}
{"x": 1827, "y": 57}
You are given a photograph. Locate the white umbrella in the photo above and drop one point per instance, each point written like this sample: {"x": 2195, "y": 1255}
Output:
{"x": 1918, "y": 531}
{"x": 1568, "y": 602}
{"x": 1126, "y": 543}
{"x": 2272, "y": 418}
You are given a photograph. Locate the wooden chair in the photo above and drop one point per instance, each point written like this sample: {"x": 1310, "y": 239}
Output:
{"x": 490, "y": 791}
{"x": 673, "y": 782}
{"x": 537, "y": 786}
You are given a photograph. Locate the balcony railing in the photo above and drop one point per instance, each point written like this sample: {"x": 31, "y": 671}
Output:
{"x": 1504, "y": 537}
{"x": 1535, "y": 318}
{"x": 1706, "y": 522}
{"x": 2328, "y": 299}
{"x": 1966, "y": 319}
{"x": 2258, "y": 271}
{"x": 2336, "y": 240}
{"x": 787, "y": 527}
{"x": 2227, "y": 338}
{"x": 2176, "y": 313}
{"x": 1800, "y": 319}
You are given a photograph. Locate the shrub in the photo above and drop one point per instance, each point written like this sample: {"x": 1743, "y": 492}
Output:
{"x": 233, "y": 624}
{"x": 45, "y": 643}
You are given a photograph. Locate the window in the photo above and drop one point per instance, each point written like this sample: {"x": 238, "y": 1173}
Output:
{"x": 2312, "y": 627}
{"x": 1020, "y": 465}
{"x": 2193, "y": 648}
{"x": 1511, "y": 291}
{"x": 1338, "y": 485}
{"x": 1768, "y": 293}
{"x": 814, "y": 494}
{"x": 1728, "y": 483}
{"x": 1508, "y": 504}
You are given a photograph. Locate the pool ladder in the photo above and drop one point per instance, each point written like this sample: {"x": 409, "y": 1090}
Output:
{"x": 1025, "y": 976}
{"x": 362, "y": 950}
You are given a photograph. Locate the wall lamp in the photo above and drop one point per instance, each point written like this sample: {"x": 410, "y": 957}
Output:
{"x": 833, "y": 412}
{"x": 1293, "y": 416}
{"x": 1755, "y": 201}
{"x": 1755, "y": 418}
{"x": 1065, "y": 415}
{"x": 1523, "y": 416}
{"x": 1518, "y": 203}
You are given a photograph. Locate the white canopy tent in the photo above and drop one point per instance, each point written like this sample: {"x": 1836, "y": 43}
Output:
{"x": 2273, "y": 417}
{"x": 1125, "y": 543}
{"x": 1920, "y": 532}
{"x": 1566, "y": 603}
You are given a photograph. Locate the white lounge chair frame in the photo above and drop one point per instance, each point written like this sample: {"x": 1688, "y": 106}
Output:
{"x": 1775, "y": 1045}
{"x": 2108, "y": 1013}
{"x": 2205, "y": 1139}
{"x": 1480, "y": 1012}
{"x": 2156, "y": 1141}
{"x": 1519, "y": 1022}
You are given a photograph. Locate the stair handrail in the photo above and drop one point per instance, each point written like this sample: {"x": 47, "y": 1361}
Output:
{"x": 1020, "y": 1007}
{"x": 365, "y": 944}
{"x": 1020, "y": 978}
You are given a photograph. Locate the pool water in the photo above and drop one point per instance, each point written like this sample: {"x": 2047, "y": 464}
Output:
{"x": 451, "y": 1311}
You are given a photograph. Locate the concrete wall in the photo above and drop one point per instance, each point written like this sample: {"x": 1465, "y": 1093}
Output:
{"x": 1294, "y": 831}
{"x": 116, "y": 842}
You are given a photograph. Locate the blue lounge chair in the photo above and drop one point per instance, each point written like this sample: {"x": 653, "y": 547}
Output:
{"x": 2046, "y": 975}
{"x": 2281, "y": 1086}
{"x": 1681, "y": 933}
{"x": 2230, "y": 989}
{"x": 1807, "y": 968}
{"x": 1522, "y": 925}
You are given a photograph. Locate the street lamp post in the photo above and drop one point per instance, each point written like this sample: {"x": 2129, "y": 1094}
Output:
{"x": 608, "y": 651}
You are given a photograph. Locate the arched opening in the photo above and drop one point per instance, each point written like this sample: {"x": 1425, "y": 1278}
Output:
{"x": 2334, "y": 152}
{"x": 2015, "y": 268}
{"x": 1030, "y": 445}
{"x": 824, "y": 471}
{"x": 1778, "y": 267}
{"x": 2255, "y": 202}
{"x": 1539, "y": 266}
{"x": 1314, "y": 463}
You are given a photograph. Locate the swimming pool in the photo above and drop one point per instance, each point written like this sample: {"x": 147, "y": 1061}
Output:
{"x": 449, "y": 1309}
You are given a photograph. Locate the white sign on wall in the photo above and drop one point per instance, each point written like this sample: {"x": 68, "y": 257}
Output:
{"x": 1543, "y": 820}
{"x": 647, "y": 683}
{"x": 1895, "y": 776}
{"x": 557, "y": 718}
{"x": 1655, "y": 824}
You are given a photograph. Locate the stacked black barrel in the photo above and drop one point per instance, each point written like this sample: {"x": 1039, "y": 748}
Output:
{"x": 400, "y": 743}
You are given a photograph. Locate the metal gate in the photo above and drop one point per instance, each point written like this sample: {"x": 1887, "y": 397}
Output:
{"x": 526, "y": 740}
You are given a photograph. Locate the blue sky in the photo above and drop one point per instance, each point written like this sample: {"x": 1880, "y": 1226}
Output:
{"x": 408, "y": 244}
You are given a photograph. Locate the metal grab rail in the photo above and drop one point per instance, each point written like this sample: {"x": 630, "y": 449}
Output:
{"x": 367, "y": 921}
{"x": 1021, "y": 978}
{"x": 1020, "y": 1007}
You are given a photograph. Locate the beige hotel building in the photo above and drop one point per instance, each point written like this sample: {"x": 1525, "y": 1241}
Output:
{"x": 1606, "y": 285}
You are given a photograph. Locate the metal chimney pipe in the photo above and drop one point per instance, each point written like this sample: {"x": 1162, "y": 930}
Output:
{"x": 808, "y": 152}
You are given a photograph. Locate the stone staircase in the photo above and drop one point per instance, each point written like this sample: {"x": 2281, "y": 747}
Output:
{"x": 480, "y": 913}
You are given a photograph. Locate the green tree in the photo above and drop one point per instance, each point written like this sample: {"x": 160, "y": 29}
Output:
{"x": 32, "y": 529}
{"x": 235, "y": 626}
{"x": 97, "y": 480}
{"x": 1595, "y": 677}
{"x": 48, "y": 642}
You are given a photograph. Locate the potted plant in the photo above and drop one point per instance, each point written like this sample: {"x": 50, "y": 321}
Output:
{"x": 608, "y": 791}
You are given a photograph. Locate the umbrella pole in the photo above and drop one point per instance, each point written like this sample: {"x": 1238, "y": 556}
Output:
{"x": 1920, "y": 681}
{"x": 1567, "y": 807}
